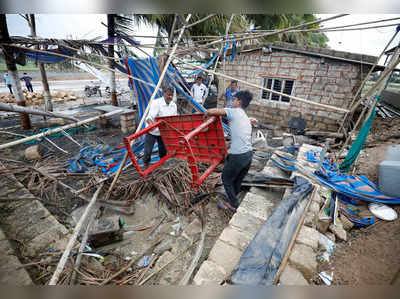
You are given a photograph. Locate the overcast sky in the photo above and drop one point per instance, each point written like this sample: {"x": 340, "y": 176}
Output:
{"x": 370, "y": 42}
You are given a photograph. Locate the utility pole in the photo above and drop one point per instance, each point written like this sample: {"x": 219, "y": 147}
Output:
{"x": 111, "y": 35}
{"x": 12, "y": 70}
{"x": 46, "y": 90}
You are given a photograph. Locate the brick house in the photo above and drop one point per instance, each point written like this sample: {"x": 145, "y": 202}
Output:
{"x": 321, "y": 75}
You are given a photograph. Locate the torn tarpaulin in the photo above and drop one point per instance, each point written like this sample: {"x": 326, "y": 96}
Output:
{"x": 260, "y": 262}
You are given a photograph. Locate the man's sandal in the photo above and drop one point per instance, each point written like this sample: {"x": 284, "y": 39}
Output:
{"x": 226, "y": 206}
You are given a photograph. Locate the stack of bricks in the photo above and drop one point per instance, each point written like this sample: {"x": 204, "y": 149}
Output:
{"x": 128, "y": 124}
{"x": 322, "y": 80}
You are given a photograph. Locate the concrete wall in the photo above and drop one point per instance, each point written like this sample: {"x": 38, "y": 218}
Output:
{"x": 321, "y": 80}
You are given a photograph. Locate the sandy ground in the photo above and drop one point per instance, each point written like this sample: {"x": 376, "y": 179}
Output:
{"x": 370, "y": 257}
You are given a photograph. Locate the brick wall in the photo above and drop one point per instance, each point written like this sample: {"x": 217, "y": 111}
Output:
{"x": 317, "y": 79}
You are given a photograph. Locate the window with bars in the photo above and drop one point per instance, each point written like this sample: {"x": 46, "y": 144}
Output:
{"x": 278, "y": 84}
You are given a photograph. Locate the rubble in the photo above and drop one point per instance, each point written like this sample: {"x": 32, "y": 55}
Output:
{"x": 34, "y": 152}
{"x": 37, "y": 98}
{"x": 338, "y": 231}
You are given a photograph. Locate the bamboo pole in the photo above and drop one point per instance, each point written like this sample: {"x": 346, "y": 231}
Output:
{"x": 266, "y": 89}
{"x": 199, "y": 250}
{"x": 283, "y": 30}
{"x": 383, "y": 77}
{"x": 82, "y": 246}
{"x": 20, "y": 109}
{"x": 170, "y": 57}
{"x": 378, "y": 86}
{"x": 365, "y": 80}
{"x": 197, "y": 22}
{"x": 228, "y": 26}
{"x": 71, "y": 242}
{"x": 59, "y": 129}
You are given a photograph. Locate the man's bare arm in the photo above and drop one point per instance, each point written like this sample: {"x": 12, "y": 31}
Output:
{"x": 215, "y": 112}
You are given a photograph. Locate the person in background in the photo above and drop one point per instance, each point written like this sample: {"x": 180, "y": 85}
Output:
{"x": 8, "y": 82}
{"x": 28, "y": 83}
{"x": 199, "y": 90}
{"x": 240, "y": 154}
{"x": 163, "y": 106}
{"x": 230, "y": 94}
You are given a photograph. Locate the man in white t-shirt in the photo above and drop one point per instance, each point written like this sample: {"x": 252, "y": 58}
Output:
{"x": 163, "y": 106}
{"x": 198, "y": 90}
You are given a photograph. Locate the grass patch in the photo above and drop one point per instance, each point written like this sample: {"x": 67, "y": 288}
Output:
{"x": 27, "y": 67}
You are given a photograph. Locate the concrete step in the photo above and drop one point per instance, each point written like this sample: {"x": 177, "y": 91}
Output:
{"x": 11, "y": 270}
{"x": 25, "y": 220}
{"x": 253, "y": 211}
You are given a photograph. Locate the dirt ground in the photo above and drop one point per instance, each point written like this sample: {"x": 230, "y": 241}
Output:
{"x": 369, "y": 257}
{"x": 383, "y": 134}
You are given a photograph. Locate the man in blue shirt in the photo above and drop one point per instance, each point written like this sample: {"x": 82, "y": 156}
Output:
{"x": 8, "y": 82}
{"x": 240, "y": 154}
{"x": 230, "y": 94}
{"x": 28, "y": 83}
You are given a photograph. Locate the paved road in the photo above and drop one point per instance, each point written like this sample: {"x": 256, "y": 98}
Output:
{"x": 65, "y": 85}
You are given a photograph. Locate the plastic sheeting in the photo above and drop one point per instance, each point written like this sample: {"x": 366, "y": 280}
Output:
{"x": 260, "y": 262}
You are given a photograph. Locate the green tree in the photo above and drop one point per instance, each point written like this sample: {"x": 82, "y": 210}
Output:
{"x": 273, "y": 22}
{"x": 212, "y": 26}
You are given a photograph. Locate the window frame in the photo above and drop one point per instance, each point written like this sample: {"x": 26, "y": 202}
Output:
{"x": 264, "y": 82}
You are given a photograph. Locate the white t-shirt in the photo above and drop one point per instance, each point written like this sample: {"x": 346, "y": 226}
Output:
{"x": 198, "y": 92}
{"x": 160, "y": 108}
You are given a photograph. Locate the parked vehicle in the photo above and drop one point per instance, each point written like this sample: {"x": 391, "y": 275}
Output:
{"x": 92, "y": 90}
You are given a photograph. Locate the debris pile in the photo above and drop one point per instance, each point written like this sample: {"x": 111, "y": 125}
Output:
{"x": 37, "y": 98}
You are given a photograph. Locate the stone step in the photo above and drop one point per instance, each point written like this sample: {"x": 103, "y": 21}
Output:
{"x": 253, "y": 211}
{"x": 26, "y": 220}
{"x": 11, "y": 270}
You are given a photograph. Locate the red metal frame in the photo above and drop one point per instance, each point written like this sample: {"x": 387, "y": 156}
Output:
{"x": 187, "y": 137}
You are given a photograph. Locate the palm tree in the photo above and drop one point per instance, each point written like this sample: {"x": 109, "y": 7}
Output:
{"x": 213, "y": 26}
{"x": 30, "y": 18}
{"x": 13, "y": 73}
{"x": 273, "y": 22}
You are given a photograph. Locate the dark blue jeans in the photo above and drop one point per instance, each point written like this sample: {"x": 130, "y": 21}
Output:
{"x": 149, "y": 144}
{"x": 235, "y": 169}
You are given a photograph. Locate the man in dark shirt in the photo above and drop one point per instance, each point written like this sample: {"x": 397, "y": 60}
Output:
{"x": 28, "y": 83}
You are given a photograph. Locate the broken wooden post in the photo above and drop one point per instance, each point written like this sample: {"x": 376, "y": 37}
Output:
{"x": 13, "y": 73}
{"x": 71, "y": 242}
{"x": 59, "y": 129}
